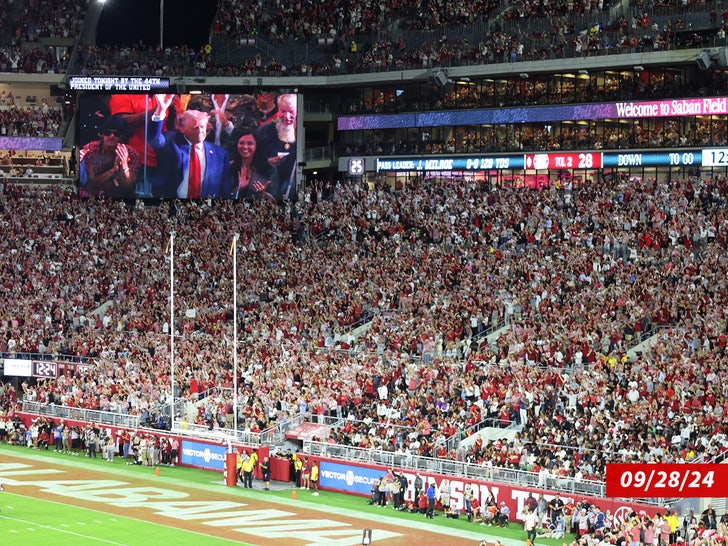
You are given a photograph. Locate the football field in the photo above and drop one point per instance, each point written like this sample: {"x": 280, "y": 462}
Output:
{"x": 61, "y": 499}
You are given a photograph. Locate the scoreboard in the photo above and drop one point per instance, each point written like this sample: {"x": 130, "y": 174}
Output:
{"x": 564, "y": 160}
{"x": 554, "y": 161}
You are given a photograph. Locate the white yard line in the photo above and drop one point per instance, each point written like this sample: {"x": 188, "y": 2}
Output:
{"x": 33, "y": 525}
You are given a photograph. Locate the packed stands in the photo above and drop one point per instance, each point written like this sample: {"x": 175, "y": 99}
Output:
{"x": 373, "y": 304}
{"x": 433, "y": 269}
{"x": 382, "y": 37}
{"x": 49, "y": 19}
{"x": 41, "y": 120}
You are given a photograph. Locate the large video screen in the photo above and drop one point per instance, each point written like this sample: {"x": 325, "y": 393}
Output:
{"x": 190, "y": 146}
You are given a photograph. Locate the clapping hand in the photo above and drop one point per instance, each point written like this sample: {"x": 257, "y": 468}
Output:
{"x": 224, "y": 121}
{"x": 122, "y": 156}
{"x": 163, "y": 103}
{"x": 260, "y": 187}
{"x": 244, "y": 176}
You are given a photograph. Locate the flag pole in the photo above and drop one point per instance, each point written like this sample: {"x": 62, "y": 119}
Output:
{"x": 171, "y": 320}
{"x": 235, "y": 333}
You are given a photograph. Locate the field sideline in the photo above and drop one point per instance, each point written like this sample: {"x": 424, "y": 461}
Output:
{"x": 63, "y": 500}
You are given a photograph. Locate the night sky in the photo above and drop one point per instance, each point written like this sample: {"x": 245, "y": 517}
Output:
{"x": 128, "y": 21}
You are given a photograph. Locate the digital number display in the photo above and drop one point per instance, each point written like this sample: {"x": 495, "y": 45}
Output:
{"x": 357, "y": 166}
{"x": 488, "y": 163}
{"x": 717, "y": 157}
{"x": 45, "y": 369}
{"x": 580, "y": 160}
{"x": 713, "y": 157}
{"x": 666, "y": 480}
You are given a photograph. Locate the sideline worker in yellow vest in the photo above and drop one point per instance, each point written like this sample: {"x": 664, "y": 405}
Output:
{"x": 314, "y": 478}
{"x": 248, "y": 467}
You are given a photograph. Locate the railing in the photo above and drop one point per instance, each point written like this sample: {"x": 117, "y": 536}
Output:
{"x": 269, "y": 437}
{"x": 464, "y": 470}
{"x": 715, "y": 459}
{"x": 453, "y": 442}
{"x": 80, "y": 414}
{"x": 326, "y": 420}
{"x": 276, "y": 434}
{"x": 222, "y": 435}
{"x": 647, "y": 334}
{"x": 24, "y": 355}
{"x": 322, "y": 153}
{"x": 488, "y": 422}
{"x": 338, "y": 422}
{"x": 481, "y": 336}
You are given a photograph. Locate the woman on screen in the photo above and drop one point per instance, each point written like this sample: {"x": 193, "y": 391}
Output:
{"x": 249, "y": 168}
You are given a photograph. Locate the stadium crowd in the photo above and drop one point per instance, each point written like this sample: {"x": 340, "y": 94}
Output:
{"x": 574, "y": 29}
{"x": 293, "y": 21}
{"x": 574, "y": 275}
{"x": 519, "y": 137}
{"x": 137, "y": 446}
{"x": 577, "y": 275}
{"x": 391, "y": 55}
{"x": 587, "y": 523}
{"x": 40, "y": 120}
{"x": 30, "y": 61}
{"x": 362, "y": 38}
{"x": 48, "y": 19}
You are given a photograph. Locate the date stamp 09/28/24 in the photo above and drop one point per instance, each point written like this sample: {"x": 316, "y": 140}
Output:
{"x": 666, "y": 480}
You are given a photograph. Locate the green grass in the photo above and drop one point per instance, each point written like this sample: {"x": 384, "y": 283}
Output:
{"x": 206, "y": 480}
{"x": 29, "y": 521}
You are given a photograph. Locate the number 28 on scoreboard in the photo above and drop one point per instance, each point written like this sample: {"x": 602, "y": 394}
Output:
{"x": 582, "y": 160}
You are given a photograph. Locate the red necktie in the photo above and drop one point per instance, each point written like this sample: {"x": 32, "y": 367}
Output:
{"x": 194, "y": 183}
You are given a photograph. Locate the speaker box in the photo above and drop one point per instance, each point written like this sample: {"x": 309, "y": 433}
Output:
{"x": 704, "y": 61}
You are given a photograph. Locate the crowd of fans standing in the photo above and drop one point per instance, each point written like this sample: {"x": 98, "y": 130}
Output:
{"x": 577, "y": 276}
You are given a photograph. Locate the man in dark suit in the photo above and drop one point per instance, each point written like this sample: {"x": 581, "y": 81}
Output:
{"x": 204, "y": 174}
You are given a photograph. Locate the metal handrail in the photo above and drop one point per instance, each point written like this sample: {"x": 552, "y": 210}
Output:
{"x": 26, "y": 355}
{"x": 222, "y": 435}
{"x": 81, "y": 414}
{"x": 522, "y": 478}
{"x": 275, "y": 434}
